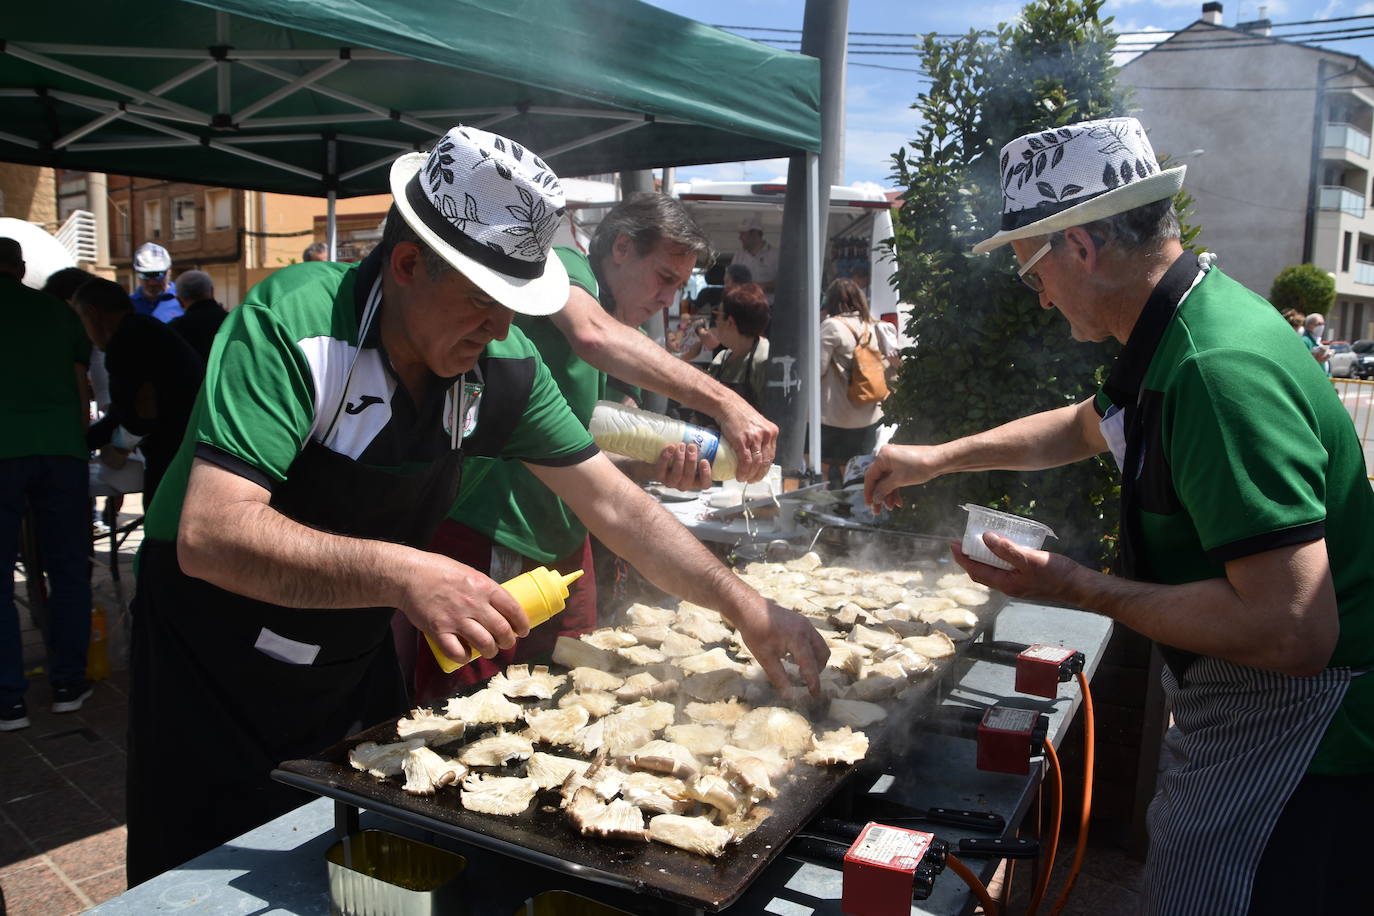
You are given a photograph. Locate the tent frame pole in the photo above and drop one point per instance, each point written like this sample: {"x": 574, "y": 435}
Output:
{"x": 331, "y": 221}
{"x": 222, "y": 75}
{"x": 811, "y": 332}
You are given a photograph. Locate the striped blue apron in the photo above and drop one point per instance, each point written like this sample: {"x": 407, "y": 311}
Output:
{"x": 1241, "y": 742}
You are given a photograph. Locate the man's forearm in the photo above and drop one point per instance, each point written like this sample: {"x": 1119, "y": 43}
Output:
{"x": 635, "y": 527}
{"x": 1043, "y": 440}
{"x": 1206, "y": 617}
{"x": 1287, "y": 623}
{"x": 251, "y": 549}
{"x": 621, "y": 351}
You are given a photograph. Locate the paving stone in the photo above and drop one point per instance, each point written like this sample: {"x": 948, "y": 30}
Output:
{"x": 95, "y": 776}
{"x": 111, "y": 723}
{"x": 29, "y": 776}
{"x": 69, "y": 740}
{"x": 56, "y": 810}
{"x": 104, "y": 886}
{"x": 85, "y": 856}
{"x": 15, "y": 851}
{"x": 38, "y": 891}
{"x": 15, "y": 747}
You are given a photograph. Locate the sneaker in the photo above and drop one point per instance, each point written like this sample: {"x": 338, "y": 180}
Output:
{"x": 70, "y": 698}
{"x": 14, "y": 717}
{"x": 99, "y": 528}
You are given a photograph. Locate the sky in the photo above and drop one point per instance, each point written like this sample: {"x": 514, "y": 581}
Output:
{"x": 878, "y": 114}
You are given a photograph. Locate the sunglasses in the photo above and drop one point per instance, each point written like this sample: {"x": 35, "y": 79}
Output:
{"x": 1027, "y": 276}
{"x": 153, "y": 275}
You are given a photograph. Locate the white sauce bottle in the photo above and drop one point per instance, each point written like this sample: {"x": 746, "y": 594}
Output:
{"x": 642, "y": 434}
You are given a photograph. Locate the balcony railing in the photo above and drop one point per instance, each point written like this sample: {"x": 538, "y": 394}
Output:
{"x": 1346, "y": 136}
{"x": 1364, "y": 272}
{"x": 77, "y": 235}
{"x": 1338, "y": 197}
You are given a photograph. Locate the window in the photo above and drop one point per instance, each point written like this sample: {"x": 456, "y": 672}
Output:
{"x": 183, "y": 217}
{"x": 1345, "y": 255}
{"x": 119, "y": 228}
{"x": 152, "y": 219}
{"x": 219, "y": 210}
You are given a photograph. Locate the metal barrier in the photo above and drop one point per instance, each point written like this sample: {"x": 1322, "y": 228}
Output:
{"x": 1358, "y": 397}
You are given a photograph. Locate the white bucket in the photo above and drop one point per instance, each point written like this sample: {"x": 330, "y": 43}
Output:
{"x": 1024, "y": 531}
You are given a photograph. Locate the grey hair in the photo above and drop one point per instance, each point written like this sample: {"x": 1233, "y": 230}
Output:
{"x": 1142, "y": 227}
{"x": 195, "y": 285}
{"x": 647, "y": 217}
{"x": 319, "y": 249}
{"x": 396, "y": 230}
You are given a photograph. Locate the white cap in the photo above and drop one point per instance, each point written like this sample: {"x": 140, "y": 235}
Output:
{"x": 751, "y": 223}
{"x": 151, "y": 258}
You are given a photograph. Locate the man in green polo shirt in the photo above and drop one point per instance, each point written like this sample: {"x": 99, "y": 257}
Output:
{"x": 340, "y": 407}
{"x": 1244, "y": 545}
{"x": 506, "y": 520}
{"x": 43, "y": 470}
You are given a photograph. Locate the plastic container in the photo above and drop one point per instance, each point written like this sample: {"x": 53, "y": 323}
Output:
{"x": 98, "y": 652}
{"x": 376, "y": 873}
{"x": 541, "y": 593}
{"x": 641, "y": 434}
{"x": 1024, "y": 531}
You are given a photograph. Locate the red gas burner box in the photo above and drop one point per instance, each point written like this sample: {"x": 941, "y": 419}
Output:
{"x": 880, "y": 868}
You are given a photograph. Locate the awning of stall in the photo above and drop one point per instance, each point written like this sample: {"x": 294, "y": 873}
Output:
{"x": 308, "y": 96}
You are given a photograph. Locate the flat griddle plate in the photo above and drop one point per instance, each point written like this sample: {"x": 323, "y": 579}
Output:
{"x": 542, "y": 835}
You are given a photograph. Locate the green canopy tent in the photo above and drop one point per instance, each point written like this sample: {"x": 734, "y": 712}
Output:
{"x": 317, "y": 97}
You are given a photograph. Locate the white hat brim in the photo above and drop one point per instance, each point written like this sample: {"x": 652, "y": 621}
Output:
{"x": 542, "y": 295}
{"x": 1155, "y": 187}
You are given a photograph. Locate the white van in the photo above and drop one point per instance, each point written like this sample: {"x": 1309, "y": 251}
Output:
{"x": 860, "y": 219}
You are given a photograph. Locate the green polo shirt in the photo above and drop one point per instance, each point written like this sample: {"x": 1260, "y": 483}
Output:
{"x": 1248, "y": 449}
{"x": 502, "y": 499}
{"x": 288, "y": 367}
{"x": 41, "y": 344}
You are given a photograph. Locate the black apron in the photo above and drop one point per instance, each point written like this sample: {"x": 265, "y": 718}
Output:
{"x": 1242, "y": 738}
{"x": 223, "y": 687}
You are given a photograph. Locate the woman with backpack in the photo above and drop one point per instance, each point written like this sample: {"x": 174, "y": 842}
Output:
{"x": 853, "y": 376}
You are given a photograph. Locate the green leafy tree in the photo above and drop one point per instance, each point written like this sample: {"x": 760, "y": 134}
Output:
{"x": 985, "y": 352}
{"x": 1305, "y": 287}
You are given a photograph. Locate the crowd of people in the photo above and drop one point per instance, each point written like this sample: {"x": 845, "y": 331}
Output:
{"x": 354, "y": 457}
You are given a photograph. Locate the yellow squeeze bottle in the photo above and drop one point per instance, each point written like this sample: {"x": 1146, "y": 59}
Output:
{"x": 541, "y": 593}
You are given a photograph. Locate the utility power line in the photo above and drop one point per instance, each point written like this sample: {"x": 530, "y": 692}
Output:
{"x": 1276, "y": 25}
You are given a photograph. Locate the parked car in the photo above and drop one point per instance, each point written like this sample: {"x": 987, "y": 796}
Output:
{"x": 1342, "y": 357}
{"x": 1352, "y": 360}
{"x": 1363, "y": 366}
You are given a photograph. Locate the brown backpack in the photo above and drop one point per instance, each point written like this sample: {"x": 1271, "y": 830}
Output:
{"x": 867, "y": 372}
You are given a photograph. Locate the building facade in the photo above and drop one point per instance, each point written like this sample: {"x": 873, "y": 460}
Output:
{"x": 238, "y": 237}
{"x": 1276, "y": 137}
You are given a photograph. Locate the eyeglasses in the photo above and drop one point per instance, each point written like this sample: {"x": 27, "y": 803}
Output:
{"x": 1026, "y": 276}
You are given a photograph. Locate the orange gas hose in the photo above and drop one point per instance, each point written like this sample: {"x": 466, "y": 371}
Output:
{"x": 979, "y": 890}
{"x": 1087, "y": 796}
{"x": 1057, "y": 785}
